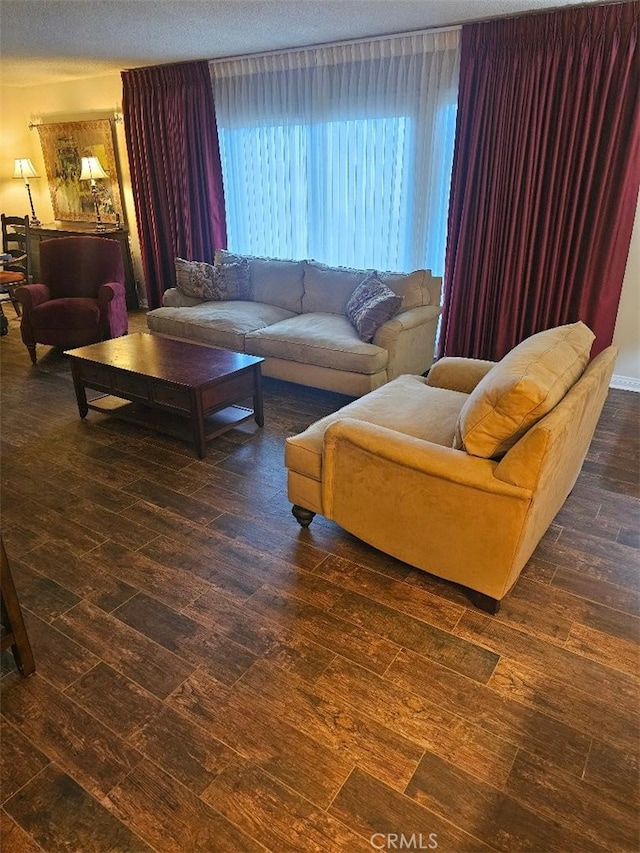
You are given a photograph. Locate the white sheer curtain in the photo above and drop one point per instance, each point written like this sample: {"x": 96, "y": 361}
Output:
{"x": 341, "y": 153}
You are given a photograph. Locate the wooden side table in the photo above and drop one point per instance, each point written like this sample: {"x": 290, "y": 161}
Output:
{"x": 14, "y": 633}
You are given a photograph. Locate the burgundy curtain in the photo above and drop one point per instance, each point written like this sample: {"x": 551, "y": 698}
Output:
{"x": 172, "y": 140}
{"x": 545, "y": 177}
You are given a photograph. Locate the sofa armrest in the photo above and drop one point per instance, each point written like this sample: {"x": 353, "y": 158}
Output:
{"x": 458, "y": 374}
{"x": 32, "y": 295}
{"x": 409, "y": 338}
{"x": 174, "y": 298}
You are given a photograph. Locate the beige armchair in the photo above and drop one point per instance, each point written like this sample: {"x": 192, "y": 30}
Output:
{"x": 462, "y": 472}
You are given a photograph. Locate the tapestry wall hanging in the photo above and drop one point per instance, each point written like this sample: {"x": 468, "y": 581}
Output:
{"x": 63, "y": 146}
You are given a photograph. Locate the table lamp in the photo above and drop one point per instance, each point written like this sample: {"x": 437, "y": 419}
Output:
{"x": 25, "y": 169}
{"x": 91, "y": 171}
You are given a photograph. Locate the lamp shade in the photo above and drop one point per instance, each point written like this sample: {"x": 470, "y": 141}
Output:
{"x": 24, "y": 169}
{"x": 92, "y": 169}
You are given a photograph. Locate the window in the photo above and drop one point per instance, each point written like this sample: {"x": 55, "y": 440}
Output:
{"x": 341, "y": 154}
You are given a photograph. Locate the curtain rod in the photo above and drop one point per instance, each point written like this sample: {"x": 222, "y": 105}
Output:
{"x": 428, "y": 31}
{"x": 365, "y": 40}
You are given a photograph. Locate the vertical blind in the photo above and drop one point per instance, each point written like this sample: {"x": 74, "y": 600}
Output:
{"x": 341, "y": 153}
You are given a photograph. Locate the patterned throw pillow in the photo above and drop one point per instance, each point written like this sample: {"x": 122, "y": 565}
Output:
{"x": 201, "y": 280}
{"x": 372, "y": 303}
{"x": 235, "y": 279}
{"x": 198, "y": 280}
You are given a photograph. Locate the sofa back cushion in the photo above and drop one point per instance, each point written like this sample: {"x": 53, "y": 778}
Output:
{"x": 328, "y": 289}
{"x": 521, "y": 389}
{"x": 273, "y": 282}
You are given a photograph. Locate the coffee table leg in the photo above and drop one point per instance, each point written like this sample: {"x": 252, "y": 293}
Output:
{"x": 81, "y": 395}
{"x": 257, "y": 396}
{"x": 197, "y": 418}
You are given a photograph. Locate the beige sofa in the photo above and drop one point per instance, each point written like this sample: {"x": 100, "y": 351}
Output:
{"x": 462, "y": 472}
{"x": 296, "y": 321}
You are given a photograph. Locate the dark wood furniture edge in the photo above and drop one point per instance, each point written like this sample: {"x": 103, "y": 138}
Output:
{"x": 14, "y": 635}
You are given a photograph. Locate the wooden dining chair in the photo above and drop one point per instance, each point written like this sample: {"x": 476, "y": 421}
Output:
{"x": 14, "y": 633}
{"x": 16, "y": 244}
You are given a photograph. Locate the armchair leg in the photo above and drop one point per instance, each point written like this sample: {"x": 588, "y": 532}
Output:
{"x": 32, "y": 353}
{"x": 485, "y": 602}
{"x": 303, "y": 516}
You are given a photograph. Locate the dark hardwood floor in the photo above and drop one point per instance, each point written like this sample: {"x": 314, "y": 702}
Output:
{"x": 211, "y": 677}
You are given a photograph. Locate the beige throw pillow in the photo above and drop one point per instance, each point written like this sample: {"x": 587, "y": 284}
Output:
{"x": 521, "y": 389}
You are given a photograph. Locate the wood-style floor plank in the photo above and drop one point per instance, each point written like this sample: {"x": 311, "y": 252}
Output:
{"x": 284, "y": 820}
{"x": 59, "y": 658}
{"x": 152, "y": 667}
{"x": 14, "y": 838}
{"x": 173, "y": 819}
{"x": 206, "y": 647}
{"x": 20, "y": 761}
{"x": 545, "y": 736}
{"x": 69, "y": 736}
{"x": 580, "y": 807}
{"x": 58, "y": 563}
{"x": 486, "y": 812}
{"x": 119, "y": 703}
{"x": 380, "y": 813}
{"x": 329, "y": 720}
{"x": 410, "y": 633}
{"x": 583, "y": 709}
{"x": 60, "y": 815}
{"x": 248, "y": 725}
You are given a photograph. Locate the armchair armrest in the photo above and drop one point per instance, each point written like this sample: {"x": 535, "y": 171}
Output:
{"x": 458, "y": 374}
{"x": 454, "y": 466}
{"x": 109, "y": 290}
{"x": 32, "y": 295}
{"x": 409, "y": 338}
{"x": 433, "y": 507}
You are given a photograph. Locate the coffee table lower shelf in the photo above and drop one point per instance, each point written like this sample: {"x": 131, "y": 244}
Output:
{"x": 176, "y": 424}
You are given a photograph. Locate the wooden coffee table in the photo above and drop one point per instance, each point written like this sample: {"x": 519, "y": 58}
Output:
{"x": 186, "y": 390}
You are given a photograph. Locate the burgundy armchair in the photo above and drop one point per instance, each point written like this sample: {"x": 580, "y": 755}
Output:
{"x": 80, "y": 299}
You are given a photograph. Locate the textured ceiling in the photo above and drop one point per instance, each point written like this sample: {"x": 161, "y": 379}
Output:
{"x": 51, "y": 40}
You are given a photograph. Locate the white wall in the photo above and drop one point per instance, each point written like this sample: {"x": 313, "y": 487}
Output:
{"x": 627, "y": 333}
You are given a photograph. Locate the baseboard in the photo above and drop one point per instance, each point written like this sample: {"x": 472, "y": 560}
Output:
{"x": 625, "y": 383}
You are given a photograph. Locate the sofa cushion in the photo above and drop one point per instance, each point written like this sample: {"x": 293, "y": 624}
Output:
{"x": 198, "y": 280}
{"x": 406, "y": 404}
{"x": 67, "y": 313}
{"x": 221, "y": 324}
{"x": 326, "y": 340}
{"x": 235, "y": 280}
{"x": 521, "y": 389}
{"x": 328, "y": 289}
{"x": 371, "y": 304}
{"x": 273, "y": 281}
